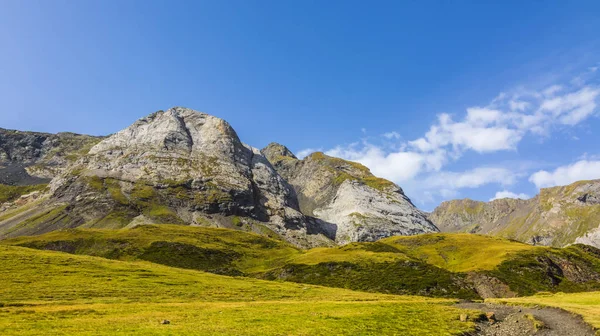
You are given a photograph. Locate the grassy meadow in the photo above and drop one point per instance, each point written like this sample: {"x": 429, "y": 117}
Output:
{"x": 434, "y": 265}
{"x": 210, "y": 281}
{"x": 54, "y": 293}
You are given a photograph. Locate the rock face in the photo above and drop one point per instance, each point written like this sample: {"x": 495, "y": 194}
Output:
{"x": 360, "y": 206}
{"x": 30, "y": 158}
{"x": 186, "y": 167}
{"x": 558, "y": 216}
{"x": 181, "y": 166}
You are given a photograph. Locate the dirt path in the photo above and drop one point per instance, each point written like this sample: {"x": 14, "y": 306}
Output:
{"x": 512, "y": 321}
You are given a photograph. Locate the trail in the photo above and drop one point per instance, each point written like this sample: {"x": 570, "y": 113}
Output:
{"x": 512, "y": 321}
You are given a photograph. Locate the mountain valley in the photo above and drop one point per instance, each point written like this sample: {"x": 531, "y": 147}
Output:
{"x": 176, "y": 213}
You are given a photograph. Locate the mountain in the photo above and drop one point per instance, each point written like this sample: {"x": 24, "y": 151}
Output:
{"x": 557, "y": 216}
{"x": 28, "y": 158}
{"x": 364, "y": 207}
{"x": 186, "y": 167}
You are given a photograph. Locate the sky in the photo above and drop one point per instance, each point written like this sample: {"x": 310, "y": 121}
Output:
{"x": 449, "y": 99}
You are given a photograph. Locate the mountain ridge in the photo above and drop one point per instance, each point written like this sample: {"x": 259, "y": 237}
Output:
{"x": 188, "y": 167}
{"x": 557, "y": 216}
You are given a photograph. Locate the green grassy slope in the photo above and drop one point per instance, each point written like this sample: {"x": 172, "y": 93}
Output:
{"x": 52, "y": 293}
{"x": 9, "y": 193}
{"x": 459, "y": 252}
{"x": 375, "y": 267}
{"x": 438, "y": 265}
{"x": 218, "y": 251}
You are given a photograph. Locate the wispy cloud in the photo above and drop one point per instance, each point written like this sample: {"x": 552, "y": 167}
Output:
{"x": 391, "y": 135}
{"x": 508, "y": 194}
{"x": 580, "y": 170}
{"x": 307, "y": 151}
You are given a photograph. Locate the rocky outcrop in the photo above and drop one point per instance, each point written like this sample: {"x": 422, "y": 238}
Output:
{"x": 362, "y": 207}
{"x": 591, "y": 238}
{"x": 31, "y": 158}
{"x": 558, "y": 216}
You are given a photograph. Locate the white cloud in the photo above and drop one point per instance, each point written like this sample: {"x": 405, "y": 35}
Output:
{"x": 479, "y": 131}
{"x": 572, "y": 108}
{"x": 471, "y": 178}
{"x": 552, "y": 90}
{"x": 508, "y": 194}
{"x": 580, "y": 170}
{"x": 395, "y": 166}
{"x": 391, "y": 135}
{"x": 307, "y": 151}
{"x": 447, "y": 184}
{"x": 518, "y": 105}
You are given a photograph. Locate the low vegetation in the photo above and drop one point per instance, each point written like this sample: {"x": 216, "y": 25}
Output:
{"x": 50, "y": 293}
{"x": 9, "y": 193}
{"x": 219, "y": 251}
{"x": 432, "y": 264}
{"x": 348, "y": 170}
{"x": 459, "y": 252}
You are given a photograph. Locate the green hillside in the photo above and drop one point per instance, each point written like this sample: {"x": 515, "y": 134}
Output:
{"x": 52, "y": 293}
{"x": 439, "y": 265}
{"x": 214, "y": 250}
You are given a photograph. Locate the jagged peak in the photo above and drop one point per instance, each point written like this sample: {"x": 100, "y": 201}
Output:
{"x": 275, "y": 152}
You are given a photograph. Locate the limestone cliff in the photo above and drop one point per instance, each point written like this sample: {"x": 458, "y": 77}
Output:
{"x": 360, "y": 206}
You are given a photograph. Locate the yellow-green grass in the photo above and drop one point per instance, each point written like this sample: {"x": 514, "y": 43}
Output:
{"x": 10, "y": 193}
{"x": 174, "y": 245}
{"x": 53, "y": 293}
{"x": 355, "y": 253}
{"x": 459, "y": 252}
{"x": 7, "y": 214}
{"x": 429, "y": 265}
{"x": 456, "y": 252}
{"x": 585, "y": 304}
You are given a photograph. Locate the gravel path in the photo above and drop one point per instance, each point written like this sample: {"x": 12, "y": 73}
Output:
{"x": 511, "y": 321}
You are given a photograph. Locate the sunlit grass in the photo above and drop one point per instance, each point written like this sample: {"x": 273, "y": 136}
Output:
{"x": 52, "y": 293}
{"x": 459, "y": 252}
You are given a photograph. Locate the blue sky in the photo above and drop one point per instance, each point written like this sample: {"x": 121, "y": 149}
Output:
{"x": 449, "y": 99}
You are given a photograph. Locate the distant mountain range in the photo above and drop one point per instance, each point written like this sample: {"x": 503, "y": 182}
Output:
{"x": 557, "y": 217}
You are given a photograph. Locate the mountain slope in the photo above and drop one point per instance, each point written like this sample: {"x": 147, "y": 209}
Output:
{"x": 556, "y": 217}
{"x": 362, "y": 207}
{"x": 447, "y": 265}
{"x": 32, "y": 158}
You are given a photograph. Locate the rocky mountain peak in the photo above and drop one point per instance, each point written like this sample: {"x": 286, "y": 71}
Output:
{"x": 276, "y": 152}
{"x": 177, "y": 129}
{"x": 187, "y": 167}
{"x": 363, "y": 207}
